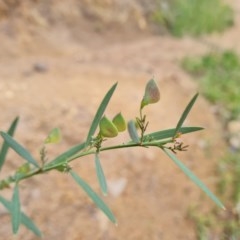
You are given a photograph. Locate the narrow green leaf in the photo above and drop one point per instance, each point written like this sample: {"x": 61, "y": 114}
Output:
{"x": 185, "y": 113}
{"x": 15, "y": 210}
{"x": 100, "y": 175}
{"x": 65, "y": 156}
{"x": 169, "y": 133}
{"x": 96, "y": 199}
{"x": 6, "y": 203}
{"x": 194, "y": 178}
{"x": 100, "y": 113}
{"x": 25, "y": 220}
{"x": 133, "y": 131}
{"x": 4, "y": 149}
{"x": 19, "y": 149}
{"x": 30, "y": 225}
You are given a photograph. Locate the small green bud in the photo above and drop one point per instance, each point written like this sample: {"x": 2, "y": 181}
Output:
{"x": 54, "y": 136}
{"x": 107, "y": 128}
{"x": 25, "y": 168}
{"x": 119, "y": 122}
{"x": 152, "y": 94}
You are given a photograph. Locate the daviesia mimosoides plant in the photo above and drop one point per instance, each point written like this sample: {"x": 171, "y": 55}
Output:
{"x": 169, "y": 141}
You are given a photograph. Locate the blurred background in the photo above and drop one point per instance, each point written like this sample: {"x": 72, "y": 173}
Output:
{"x": 57, "y": 61}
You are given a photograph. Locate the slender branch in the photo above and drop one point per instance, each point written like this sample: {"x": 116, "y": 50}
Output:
{"x": 38, "y": 171}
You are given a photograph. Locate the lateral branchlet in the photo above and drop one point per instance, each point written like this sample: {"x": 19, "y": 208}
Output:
{"x": 43, "y": 155}
{"x": 178, "y": 144}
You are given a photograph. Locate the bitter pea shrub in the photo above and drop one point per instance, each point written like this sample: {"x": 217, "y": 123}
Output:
{"x": 169, "y": 141}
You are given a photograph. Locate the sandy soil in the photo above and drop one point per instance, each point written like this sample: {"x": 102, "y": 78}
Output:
{"x": 154, "y": 196}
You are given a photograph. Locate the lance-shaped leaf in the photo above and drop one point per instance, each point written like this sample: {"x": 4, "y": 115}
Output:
{"x": 185, "y": 113}
{"x": 15, "y": 210}
{"x": 25, "y": 220}
{"x": 133, "y": 131}
{"x": 96, "y": 199}
{"x": 54, "y": 136}
{"x": 169, "y": 133}
{"x": 19, "y": 149}
{"x": 100, "y": 175}
{"x": 194, "y": 178}
{"x": 100, "y": 113}
{"x": 65, "y": 156}
{"x": 4, "y": 149}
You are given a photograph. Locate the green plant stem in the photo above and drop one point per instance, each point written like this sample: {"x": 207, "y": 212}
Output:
{"x": 11, "y": 179}
{"x": 38, "y": 171}
{"x": 127, "y": 145}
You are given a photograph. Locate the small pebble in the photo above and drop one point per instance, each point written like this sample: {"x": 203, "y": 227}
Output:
{"x": 234, "y": 127}
{"x": 40, "y": 67}
{"x": 116, "y": 187}
{"x": 235, "y": 142}
{"x": 234, "y": 134}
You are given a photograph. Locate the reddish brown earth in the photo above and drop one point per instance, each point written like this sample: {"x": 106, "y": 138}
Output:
{"x": 154, "y": 202}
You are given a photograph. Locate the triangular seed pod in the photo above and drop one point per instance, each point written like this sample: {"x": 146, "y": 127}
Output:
{"x": 107, "y": 128}
{"x": 152, "y": 94}
{"x": 119, "y": 122}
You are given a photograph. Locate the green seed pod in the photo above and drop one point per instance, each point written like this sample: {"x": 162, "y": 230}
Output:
{"x": 119, "y": 122}
{"x": 152, "y": 94}
{"x": 107, "y": 128}
{"x": 54, "y": 136}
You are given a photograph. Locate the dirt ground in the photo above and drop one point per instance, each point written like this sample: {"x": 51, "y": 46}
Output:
{"x": 52, "y": 79}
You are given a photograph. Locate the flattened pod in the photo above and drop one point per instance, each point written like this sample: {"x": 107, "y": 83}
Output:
{"x": 107, "y": 128}
{"x": 54, "y": 136}
{"x": 152, "y": 94}
{"x": 119, "y": 122}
